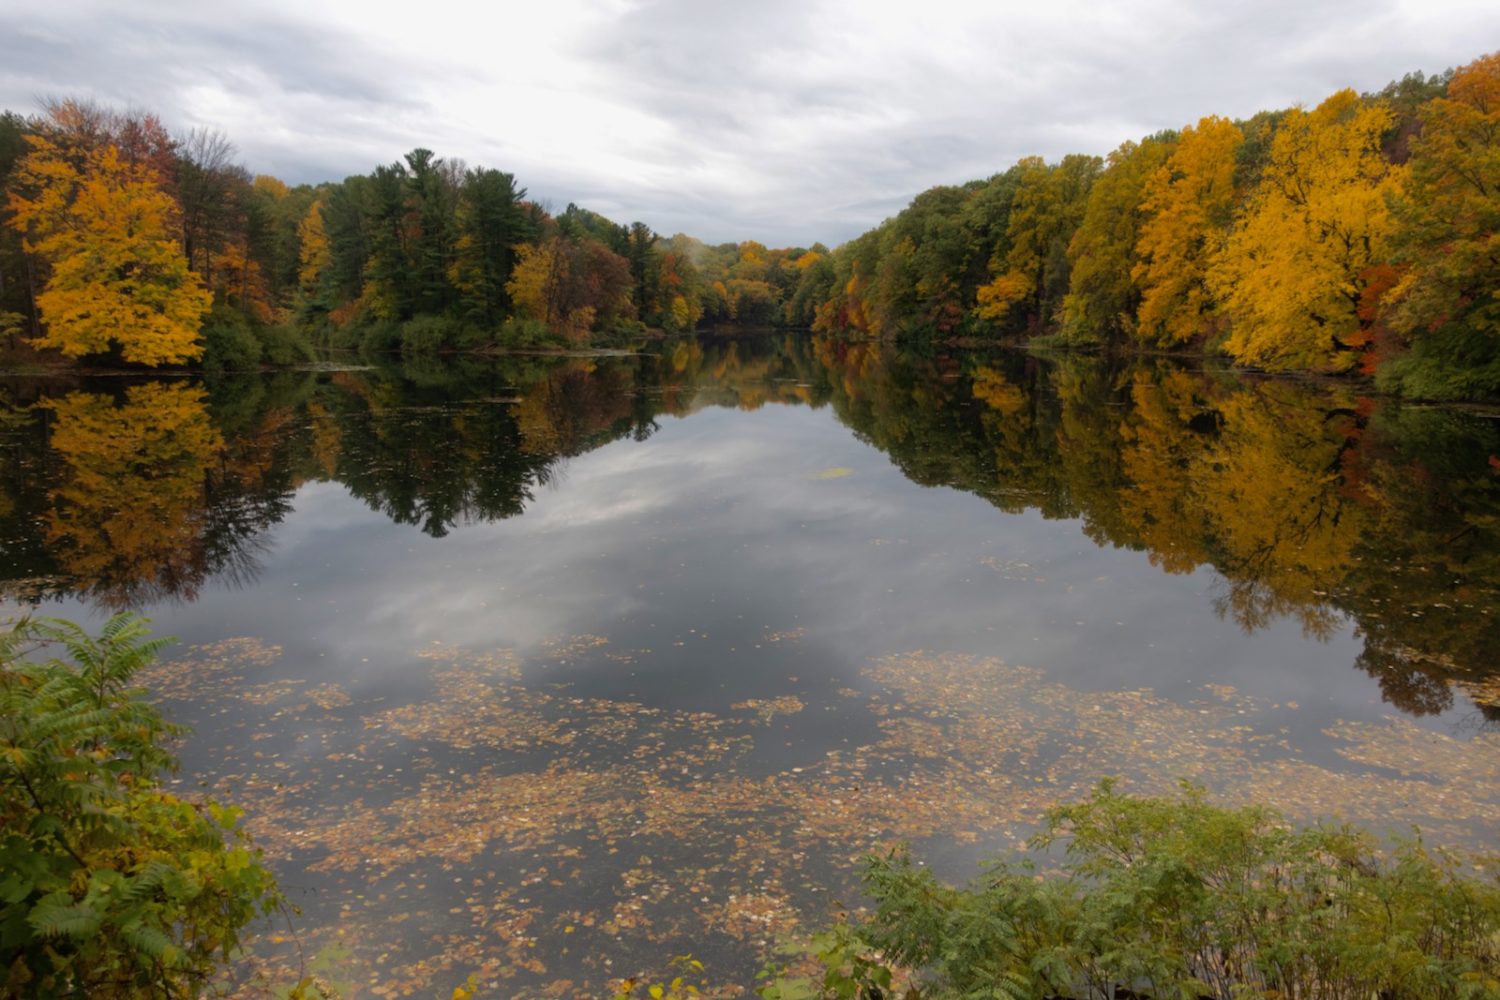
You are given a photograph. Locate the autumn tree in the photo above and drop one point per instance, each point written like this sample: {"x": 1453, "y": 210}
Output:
{"x": 570, "y": 284}
{"x": 1047, "y": 209}
{"x": 118, "y": 276}
{"x": 679, "y": 286}
{"x": 313, "y": 256}
{"x": 925, "y": 257}
{"x": 230, "y": 227}
{"x": 1447, "y": 303}
{"x": 273, "y": 215}
{"x": 80, "y": 130}
{"x": 1188, "y": 205}
{"x": 535, "y": 284}
{"x": 815, "y": 278}
{"x": 1103, "y": 293}
{"x": 1293, "y": 275}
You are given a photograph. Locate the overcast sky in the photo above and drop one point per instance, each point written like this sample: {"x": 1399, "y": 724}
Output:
{"x": 786, "y": 121}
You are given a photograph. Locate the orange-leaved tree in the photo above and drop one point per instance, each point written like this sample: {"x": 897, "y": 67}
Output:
{"x": 117, "y": 276}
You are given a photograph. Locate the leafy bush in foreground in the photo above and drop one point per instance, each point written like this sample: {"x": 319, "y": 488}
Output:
{"x": 1177, "y": 898}
{"x": 110, "y": 886}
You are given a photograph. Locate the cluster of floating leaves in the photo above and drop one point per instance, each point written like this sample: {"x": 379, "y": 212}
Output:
{"x": 211, "y": 671}
{"x": 769, "y": 708}
{"x": 553, "y": 844}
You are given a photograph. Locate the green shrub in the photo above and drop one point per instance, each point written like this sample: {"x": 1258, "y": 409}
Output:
{"x": 110, "y": 886}
{"x": 1453, "y": 362}
{"x": 519, "y": 332}
{"x": 229, "y": 344}
{"x": 427, "y": 334}
{"x": 380, "y": 337}
{"x": 285, "y": 345}
{"x": 1182, "y": 899}
{"x": 347, "y": 337}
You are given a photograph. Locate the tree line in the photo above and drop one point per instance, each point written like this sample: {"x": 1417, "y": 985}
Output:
{"x": 126, "y": 241}
{"x": 1359, "y": 235}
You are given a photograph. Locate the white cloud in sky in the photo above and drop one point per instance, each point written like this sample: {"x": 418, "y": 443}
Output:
{"x": 787, "y": 121}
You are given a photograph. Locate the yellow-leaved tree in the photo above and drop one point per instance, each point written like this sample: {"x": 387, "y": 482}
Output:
{"x": 534, "y": 282}
{"x": 1032, "y": 276}
{"x": 314, "y": 252}
{"x": 1293, "y": 275}
{"x": 117, "y": 273}
{"x": 1188, "y": 204}
{"x": 1103, "y": 292}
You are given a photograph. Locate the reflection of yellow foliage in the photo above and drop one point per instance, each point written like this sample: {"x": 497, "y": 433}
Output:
{"x": 130, "y": 508}
{"x": 250, "y": 457}
{"x": 686, "y": 353}
{"x": 327, "y": 439}
{"x": 1273, "y": 493}
{"x": 544, "y": 414}
{"x": 991, "y": 386}
{"x": 1161, "y": 457}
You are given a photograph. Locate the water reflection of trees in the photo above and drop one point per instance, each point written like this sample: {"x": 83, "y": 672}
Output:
{"x": 133, "y": 495}
{"x": 1310, "y": 502}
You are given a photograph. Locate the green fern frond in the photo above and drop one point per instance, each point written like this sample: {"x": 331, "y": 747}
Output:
{"x": 58, "y": 916}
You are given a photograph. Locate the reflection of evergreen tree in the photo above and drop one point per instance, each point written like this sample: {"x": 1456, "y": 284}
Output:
{"x": 29, "y": 570}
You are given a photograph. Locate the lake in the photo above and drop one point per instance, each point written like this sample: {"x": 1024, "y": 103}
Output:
{"x": 547, "y": 669}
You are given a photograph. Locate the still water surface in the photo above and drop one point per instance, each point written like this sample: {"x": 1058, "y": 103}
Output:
{"x": 548, "y": 669}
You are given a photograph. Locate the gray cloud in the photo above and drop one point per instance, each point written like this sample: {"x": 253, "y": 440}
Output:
{"x": 788, "y": 121}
